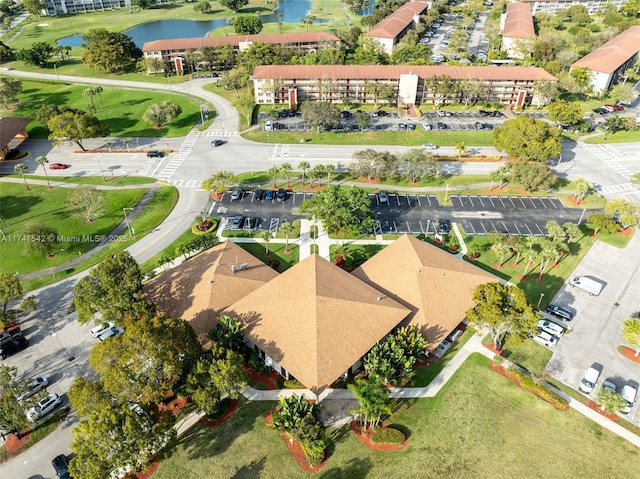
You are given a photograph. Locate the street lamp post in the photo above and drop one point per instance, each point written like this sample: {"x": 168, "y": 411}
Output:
{"x": 101, "y": 172}
{"x": 126, "y": 218}
{"x": 540, "y": 300}
{"x": 55, "y": 68}
{"x": 201, "y": 115}
{"x": 446, "y": 193}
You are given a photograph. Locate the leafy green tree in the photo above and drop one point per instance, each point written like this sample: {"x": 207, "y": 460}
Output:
{"x": 411, "y": 54}
{"x": 286, "y": 228}
{"x": 217, "y": 374}
{"x": 373, "y": 400}
{"x": 624, "y": 210}
{"x": 10, "y": 290}
{"x": 631, "y": 333}
{"x": 87, "y": 202}
{"x": 470, "y": 90}
{"x": 379, "y": 91}
{"x": 374, "y": 164}
{"x": 582, "y": 77}
{"x": 153, "y": 65}
{"x": 113, "y": 288}
{"x": 363, "y": 120}
{"x": 320, "y": 114}
{"x": 581, "y": 187}
{"x": 572, "y": 231}
{"x": 247, "y": 24}
{"x": 418, "y": 164}
{"x": 38, "y": 55}
{"x": 43, "y": 238}
{"x": 440, "y": 86}
{"x": 245, "y": 103}
{"x": 368, "y": 52}
{"x": 76, "y": 127}
{"x": 5, "y": 52}
{"x": 218, "y": 181}
{"x": 610, "y": 401}
{"x": 394, "y": 358}
{"x": 228, "y": 333}
{"x": 202, "y": 7}
{"x": 22, "y": 170}
{"x": 304, "y": 166}
{"x": 528, "y": 138}
{"x": 34, "y": 7}
{"x": 234, "y": 5}
{"x": 261, "y": 53}
{"x": 565, "y": 112}
{"x": 503, "y": 310}
{"x": 12, "y": 415}
{"x": 141, "y": 365}
{"x": 601, "y": 221}
{"x": 234, "y": 79}
{"x": 108, "y": 51}
{"x": 159, "y": 114}
{"x": 341, "y": 209}
{"x": 9, "y": 90}
{"x": 532, "y": 175}
{"x": 554, "y": 230}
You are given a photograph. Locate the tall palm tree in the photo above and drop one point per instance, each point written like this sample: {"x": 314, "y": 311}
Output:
{"x": 126, "y": 142}
{"x": 546, "y": 255}
{"x": 286, "y": 228}
{"x": 572, "y": 231}
{"x": 581, "y": 187}
{"x": 42, "y": 160}
{"x": 329, "y": 169}
{"x": 266, "y": 236}
{"x": 285, "y": 169}
{"x": 22, "y": 169}
{"x": 304, "y": 166}
{"x": 98, "y": 91}
{"x": 373, "y": 399}
{"x": 88, "y": 92}
{"x": 461, "y": 149}
{"x": 531, "y": 256}
{"x": 273, "y": 172}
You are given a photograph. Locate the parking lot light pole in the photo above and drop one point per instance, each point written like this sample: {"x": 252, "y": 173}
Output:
{"x": 101, "y": 172}
{"x": 446, "y": 193}
{"x": 126, "y": 218}
{"x": 540, "y": 300}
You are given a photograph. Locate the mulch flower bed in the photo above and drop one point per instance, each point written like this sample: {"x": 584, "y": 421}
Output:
{"x": 625, "y": 232}
{"x": 146, "y": 474}
{"x": 596, "y": 407}
{"x": 629, "y": 353}
{"x": 574, "y": 201}
{"x": 365, "y": 435}
{"x": 296, "y": 451}
{"x": 269, "y": 380}
{"x": 493, "y": 349}
{"x": 505, "y": 373}
{"x": 232, "y": 407}
{"x": 173, "y": 404}
{"x": 13, "y": 445}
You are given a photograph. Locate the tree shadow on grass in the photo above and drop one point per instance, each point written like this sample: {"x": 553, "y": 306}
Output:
{"x": 251, "y": 470}
{"x": 354, "y": 469}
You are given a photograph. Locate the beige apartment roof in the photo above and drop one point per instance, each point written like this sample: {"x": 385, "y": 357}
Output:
{"x": 389, "y": 72}
{"x": 518, "y": 22}
{"x": 613, "y": 54}
{"x": 437, "y": 287}
{"x": 316, "y": 320}
{"x": 200, "y": 288}
{"x": 10, "y": 127}
{"x": 180, "y": 44}
{"x": 395, "y": 23}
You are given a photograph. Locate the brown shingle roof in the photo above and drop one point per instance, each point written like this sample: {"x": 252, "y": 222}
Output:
{"x": 436, "y": 286}
{"x": 199, "y": 289}
{"x": 383, "y": 72}
{"x": 316, "y": 320}
{"x": 613, "y": 54}
{"x": 395, "y": 23}
{"x": 518, "y": 22}
{"x": 179, "y": 44}
{"x": 10, "y": 127}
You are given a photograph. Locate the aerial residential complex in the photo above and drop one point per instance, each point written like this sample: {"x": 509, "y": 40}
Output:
{"x": 517, "y": 28}
{"x": 292, "y": 84}
{"x": 63, "y": 7}
{"x": 392, "y": 29}
{"x": 553, "y": 6}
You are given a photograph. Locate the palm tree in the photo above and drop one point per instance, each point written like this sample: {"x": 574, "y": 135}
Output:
{"x": 373, "y": 399}
{"x": 531, "y": 256}
{"x": 228, "y": 333}
{"x": 342, "y": 253}
{"x": 126, "y": 142}
{"x": 273, "y": 172}
{"x": 304, "y": 166}
{"x": 308, "y": 21}
{"x": 461, "y": 149}
{"x": 329, "y": 169}
{"x": 546, "y": 255}
{"x": 42, "y": 160}
{"x": 610, "y": 401}
{"x": 286, "y": 229}
{"x": 502, "y": 250}
{"x": 554, "y": 230}
{"x": 572, "y": 231}
{"x": 581, "y": 187}
{"x": 519, "y": 247}
{"x": 279, "y": 15}
{"x": 98, "y": 90}
{"x": 88, "y": 92}
{"x": 109, "y": 144}
{"x": 217, "y": 182}
{"x": 22, "y": 169}
{"x": 266, "y": 236}
{"x": 317, "y": 172}
{"x": 285, "y": 169}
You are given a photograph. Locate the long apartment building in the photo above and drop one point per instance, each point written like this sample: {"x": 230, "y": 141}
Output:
{"x": 64, "y": 7}
{"x": 517, "y": 28}
{"x": 293, "y": 84}
{"x": 553, "y": 6}
{"x": 392, "y": 29}
{"x": 173, "y": 51}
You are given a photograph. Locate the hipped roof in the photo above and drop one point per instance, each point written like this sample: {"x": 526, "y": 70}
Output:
{"x": 199, "y": 289}
{"x": 316, "y": 320}
{"x": 518, "y": 22}
{"x": 435, "y": 285}
{"x": 395, "y": 23}
{"x": 613, "y": 54}
{"x": 10, "y": 127}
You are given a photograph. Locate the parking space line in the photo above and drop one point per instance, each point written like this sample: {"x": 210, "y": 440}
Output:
{"x": 494, "y": 226}
{"x": 522, "y": 201}
{"x": 501, "y": 201}
{"x": 472, "y": 228}
{"x": 506, "y": 230}
{"x": 491, "y": 200}
{"x": 408, "y": 227}
{"x": 395, "y": 227}
{"x": 542, "y": 233}
{"x": 512, "y": 203}
{"x": 517, "y": 229}
{"x": 554, "y": 202}
{"x": 480, "y": 200}
{"x": 528, "y": 229}
{"x": 483, "y": 228}
{"x": 398, "y": 199}
{"x": 531, "y": 199}
{"x": 471, "y": 200}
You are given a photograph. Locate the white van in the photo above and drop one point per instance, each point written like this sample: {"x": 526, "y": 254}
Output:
{"x": 629, "y": 394}
{"x": 587, "y": 284}
{"x": 589, "y": 380}
{"x": 268, "y": 126}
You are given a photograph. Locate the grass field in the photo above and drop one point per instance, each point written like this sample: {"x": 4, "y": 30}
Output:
{"x": 479, "y": 426}
{"x": 123, "y": 109}
{"x": 276, "y": 254}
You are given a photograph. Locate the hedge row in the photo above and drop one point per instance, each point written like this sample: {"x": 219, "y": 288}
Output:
{"x": 527, "y": 382}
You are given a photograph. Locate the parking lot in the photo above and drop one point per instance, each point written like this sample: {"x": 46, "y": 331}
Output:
{"x": 414, "y": 213}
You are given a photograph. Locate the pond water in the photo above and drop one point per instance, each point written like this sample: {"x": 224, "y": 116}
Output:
{"x": 292, "y": 11}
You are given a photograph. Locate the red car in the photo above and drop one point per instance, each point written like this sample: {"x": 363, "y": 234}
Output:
{"x": 58, "y": 166}
{"x": 616, "y": 107}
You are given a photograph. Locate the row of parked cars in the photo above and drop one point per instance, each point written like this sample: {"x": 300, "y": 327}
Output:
{"x": 629, "y": 391}
{"x": 608, "y": 108}
{"x": 259, "y": 194}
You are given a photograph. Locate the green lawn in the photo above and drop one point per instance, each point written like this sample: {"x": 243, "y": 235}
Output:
{"x": 123, "y": 109}
{"x": 276, "y": 254}
{"x": 92, "y": 180}
{"x": 359, "y": 253}
{"x": 527, "y": 354}
{"x": 479, "y": 426}
{"x": 616, "y": 137}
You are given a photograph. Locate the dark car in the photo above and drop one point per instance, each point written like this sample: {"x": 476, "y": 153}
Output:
{"x": 484, "y": 113}
{"x": 257, "y": 195}
{"x": 444, "y": 227}
{"x": 402, "y": 126}
{"x": 217, "y": 142}
{"x": 411, "y": 126}
{"x": 280, "y": 194}
{"x": 487, "y": 126}
{"x": 15, "y": 344}
{"x": 284, "y": 114}
{"x": 345, "y": 114}
{"x": 479, "y": 126}
{"x": 441, "y": 126}
{"x": 155, "y": 154}
{"x": 61, "y": 466}
{"x": 268, "y": 195}
{"x": 58, "y": 166}
{"x": 560, "y": 311}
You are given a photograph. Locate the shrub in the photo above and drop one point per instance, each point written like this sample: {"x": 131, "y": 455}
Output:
{"x": 527, "y": 382}
{"x": 387, "y": 435}
{"x": 314, "y": 450}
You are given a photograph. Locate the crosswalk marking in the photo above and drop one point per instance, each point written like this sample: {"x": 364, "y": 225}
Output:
{"x": 615, "y": 188}
{"x": 183, "y": 152}
{"x": 185, "y": 183}
{"x": 219, "y": 133}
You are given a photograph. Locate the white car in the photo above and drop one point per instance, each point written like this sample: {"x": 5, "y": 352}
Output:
{"x": 33, "y": 387}
{"x": 429, "y": 146}
{"x": 101, "y": 328}
{"x": 546, "y": 339}
{"x": 629, "y": 394}
{"x": 44, "y": 407}
{"x": 111, "y": 333}
{"x": 426, "y": 126}
{"x": 551, "y": 328}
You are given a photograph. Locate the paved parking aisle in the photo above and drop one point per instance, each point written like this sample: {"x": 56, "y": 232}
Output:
{"x": 495, "y": 202}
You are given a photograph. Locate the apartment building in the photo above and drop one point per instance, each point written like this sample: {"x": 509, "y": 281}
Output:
{"x": 517, "y": 29}
{"x": 392, "y": 29}
{"x": 553, "y": 6}
{"x": 63, "y": 7}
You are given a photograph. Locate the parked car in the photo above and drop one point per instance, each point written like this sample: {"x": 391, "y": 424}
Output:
{"x": 629, "y": 394}
{"x": 257, "y": 194}
{"x": 383, "y": 197}
{"x": 236, "y": 222}
{"x": 560, "y": 311}
{"x": 551, "y": 328}
{"x": 61, "y": 466}
{"x": 411, "y": 126}
{"x": 58, "y": 166}
{"x": 268, "y": 126}
{"x": 402, "y": 126}
{"x": 589, "y": 380}
{"x": 587, "y": 284}
{"x": 35, "y": 385}
{"x": 614, "y": 107}
{"x": 281, "y": 195}
{"x": 441, "y": 126}
{"x": 236, "y": 193}
{"x": 15, "y": 344}
{"x": 479, "y": 125}
{"x": 268, "y": 195}
{"x": 44, "y": 407}
{"x": 217, "y": 142}
{"x": 111, "y": 333}
{"x": 101, "y": 328}
{"x": 606, "y": 384}
{"x": 546, "y": 339}
{"x": 444, "y": 227}
{"x": 429, "y": 146}
{"x": 155, "y": 154}
{"x": 426, "y": 126}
